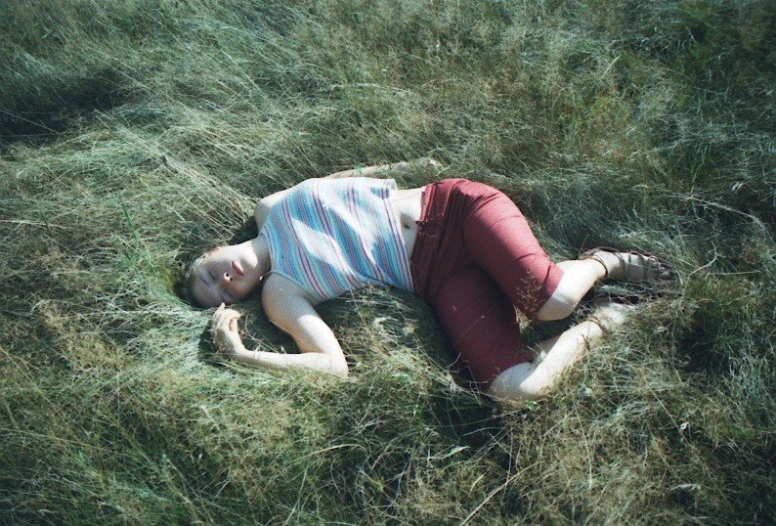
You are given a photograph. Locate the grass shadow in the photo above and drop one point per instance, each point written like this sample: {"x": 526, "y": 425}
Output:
{"x": 42, "y": 119}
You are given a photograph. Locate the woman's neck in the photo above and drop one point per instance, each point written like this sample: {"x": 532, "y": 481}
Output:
{"x": 261, "y": 250}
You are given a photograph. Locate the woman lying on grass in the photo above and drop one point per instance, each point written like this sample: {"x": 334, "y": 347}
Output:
{"x": 461, "y": 246}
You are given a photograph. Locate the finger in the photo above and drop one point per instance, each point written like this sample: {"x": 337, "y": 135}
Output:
{"x": 221, "y": 319}
{"x": 226, "y": 318}
{"x": 229, "y": 313}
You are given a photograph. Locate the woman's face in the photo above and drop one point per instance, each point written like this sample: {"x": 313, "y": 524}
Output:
{"x": 225, "y": 275}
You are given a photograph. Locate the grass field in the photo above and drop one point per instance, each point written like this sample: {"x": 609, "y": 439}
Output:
{"x": 134, "y": 134}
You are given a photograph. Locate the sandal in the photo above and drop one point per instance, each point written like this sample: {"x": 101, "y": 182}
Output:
{"x": 632, "y": 266}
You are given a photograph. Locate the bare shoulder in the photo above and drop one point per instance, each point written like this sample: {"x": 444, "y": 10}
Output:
{"x": 278, "y": 287}
{"x": 281, "y": 297}
{"x": 265, "y": 205}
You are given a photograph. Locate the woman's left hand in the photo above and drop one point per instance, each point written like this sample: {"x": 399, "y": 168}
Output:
{"x": 225, "y": 332}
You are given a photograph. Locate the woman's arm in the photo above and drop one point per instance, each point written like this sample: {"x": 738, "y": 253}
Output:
{"x": 292, "y": 313}
{"x": 385, "y": 170}
{"x": 265, "y": 204}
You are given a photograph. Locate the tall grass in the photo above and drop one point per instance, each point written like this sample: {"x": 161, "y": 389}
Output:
{"x": 135, "y": 134}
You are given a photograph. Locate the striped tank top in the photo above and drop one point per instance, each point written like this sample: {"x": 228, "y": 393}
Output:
{"x": 332, "y": 236}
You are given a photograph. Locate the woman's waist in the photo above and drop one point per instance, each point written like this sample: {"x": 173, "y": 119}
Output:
{"x": 408, "y": 206}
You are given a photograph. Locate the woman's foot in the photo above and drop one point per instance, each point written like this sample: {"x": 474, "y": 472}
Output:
{"x": 610, "y": 314}
{"x": 629, "y": 266}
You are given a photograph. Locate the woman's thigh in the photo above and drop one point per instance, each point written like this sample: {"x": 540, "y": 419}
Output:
{"x": 499, "y": 240}
{"x": 480, "y": 322}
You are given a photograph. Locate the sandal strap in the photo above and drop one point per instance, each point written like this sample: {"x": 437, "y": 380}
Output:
{"x": 592, "y": 254}
{"x": 603, "y": 264}
{"x": 636, "y": 266}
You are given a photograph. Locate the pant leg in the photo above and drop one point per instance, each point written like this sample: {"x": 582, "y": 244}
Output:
{"x": 473, "y": 309}
{"x": 499, "y": 239}
{"x": 479, "y": 320}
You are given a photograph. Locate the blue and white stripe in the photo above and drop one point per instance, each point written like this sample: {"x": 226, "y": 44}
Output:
{"x": 333, "y": 236}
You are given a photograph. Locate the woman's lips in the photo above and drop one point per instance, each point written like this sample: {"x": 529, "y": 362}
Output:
{"x": 238, "y": 268}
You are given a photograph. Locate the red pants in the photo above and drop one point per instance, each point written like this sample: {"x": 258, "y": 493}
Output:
{"x": 475, "y": 259}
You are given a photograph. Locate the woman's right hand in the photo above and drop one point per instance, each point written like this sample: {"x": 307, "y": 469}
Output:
{"x": 226, "y": 335}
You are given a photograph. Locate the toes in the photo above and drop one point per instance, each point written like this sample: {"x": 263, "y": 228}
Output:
{"x": 639, "y": 267}
{"x": 653, "y": 269}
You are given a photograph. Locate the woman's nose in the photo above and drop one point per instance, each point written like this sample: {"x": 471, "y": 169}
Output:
{"x": 226, "y": 279}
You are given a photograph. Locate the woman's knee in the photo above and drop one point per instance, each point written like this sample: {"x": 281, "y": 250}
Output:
{"x": 557, "y": 307}
{"x": 519, "y": 382}
{"x": 571, "y": 288}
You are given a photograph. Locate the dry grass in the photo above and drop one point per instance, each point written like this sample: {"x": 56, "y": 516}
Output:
{"x": 134, "y": 135}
